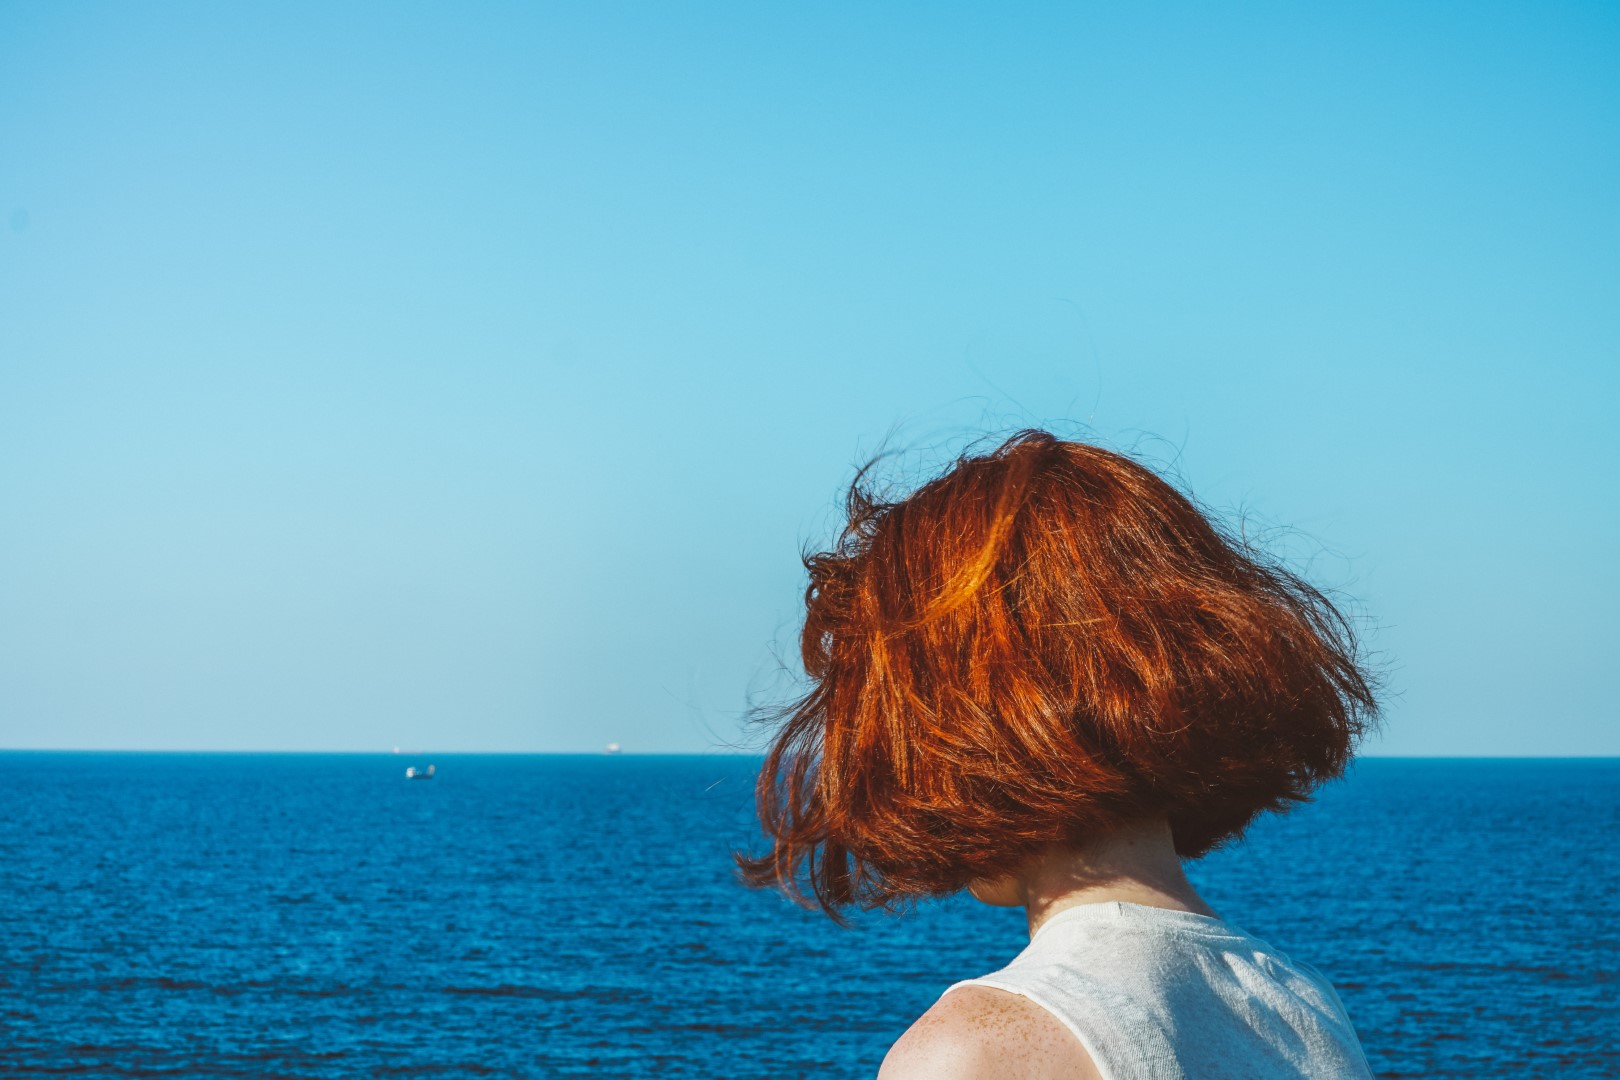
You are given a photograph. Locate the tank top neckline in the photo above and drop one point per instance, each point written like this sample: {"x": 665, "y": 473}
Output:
{"x": 1144, "y": 912}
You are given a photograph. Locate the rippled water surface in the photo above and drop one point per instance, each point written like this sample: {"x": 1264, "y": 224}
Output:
{"x": 318, "y": 915}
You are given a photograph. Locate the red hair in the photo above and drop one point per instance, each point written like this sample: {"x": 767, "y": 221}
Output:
{"x": 1040, "y": 645}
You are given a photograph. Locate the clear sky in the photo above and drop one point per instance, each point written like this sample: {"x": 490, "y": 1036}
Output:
{"x": 469, "y": 377}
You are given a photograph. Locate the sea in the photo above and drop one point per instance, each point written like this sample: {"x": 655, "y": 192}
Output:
{"x": 319, "y": 915}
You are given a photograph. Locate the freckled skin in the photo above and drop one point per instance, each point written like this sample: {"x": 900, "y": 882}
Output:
{"x": 981, "y": 1033}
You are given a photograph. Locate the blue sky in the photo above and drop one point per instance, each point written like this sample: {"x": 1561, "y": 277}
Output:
{"x": 470, "y": 377}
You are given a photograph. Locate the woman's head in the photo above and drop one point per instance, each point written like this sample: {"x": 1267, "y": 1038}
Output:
{"x": 1037, "y": 647}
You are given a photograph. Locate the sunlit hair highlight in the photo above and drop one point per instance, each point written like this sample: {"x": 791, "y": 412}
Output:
{"x": 1041, "y": 645}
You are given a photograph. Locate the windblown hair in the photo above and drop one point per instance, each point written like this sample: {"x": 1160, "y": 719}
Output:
{"x": 1043, "y": 644}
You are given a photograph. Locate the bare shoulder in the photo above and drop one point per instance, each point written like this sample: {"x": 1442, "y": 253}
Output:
{"x": 981, "y": 1033}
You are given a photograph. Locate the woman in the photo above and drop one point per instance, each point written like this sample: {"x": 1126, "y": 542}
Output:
{"x": 1047, "y": 678}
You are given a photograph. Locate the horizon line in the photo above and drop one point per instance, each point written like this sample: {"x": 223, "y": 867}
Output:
{"x": 413, "y": 753}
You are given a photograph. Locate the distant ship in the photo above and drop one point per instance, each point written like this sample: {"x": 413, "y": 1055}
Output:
{"x": 611, "y": 748}
{"x": 413, "y": 773}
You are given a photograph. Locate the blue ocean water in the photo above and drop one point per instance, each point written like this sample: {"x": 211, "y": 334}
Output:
{"x": 320, "y": 916}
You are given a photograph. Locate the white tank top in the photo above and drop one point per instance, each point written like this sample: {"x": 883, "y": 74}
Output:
{"x": 1155, "y": 994}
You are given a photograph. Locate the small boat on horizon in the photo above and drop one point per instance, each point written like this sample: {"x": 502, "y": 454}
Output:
{"x": 611, "y": 748}
{"x": 413, "y": 773}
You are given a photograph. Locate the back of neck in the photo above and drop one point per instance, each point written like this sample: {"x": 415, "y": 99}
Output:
{"x": 1137, "y": 865}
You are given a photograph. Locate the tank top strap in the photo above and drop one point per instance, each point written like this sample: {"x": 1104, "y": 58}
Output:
{"x": 1157, "y": 994}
